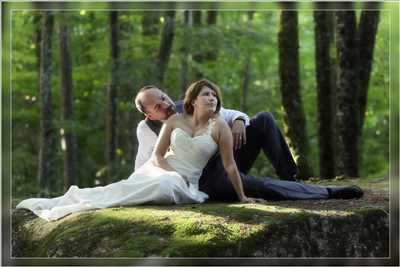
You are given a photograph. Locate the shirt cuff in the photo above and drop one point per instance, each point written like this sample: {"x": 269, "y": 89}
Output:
{"x": 243, "y": 118}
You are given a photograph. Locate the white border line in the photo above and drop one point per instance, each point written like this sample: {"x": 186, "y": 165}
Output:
{"x": 390, "y": 169}
{"x": 11, "y": 52}
{"x": 218, "y": 9}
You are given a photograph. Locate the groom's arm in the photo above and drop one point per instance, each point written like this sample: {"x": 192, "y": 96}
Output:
{"x": 146, "y": 142}
{"x": 230, "y": 115}
{"x": 237, "y": 121}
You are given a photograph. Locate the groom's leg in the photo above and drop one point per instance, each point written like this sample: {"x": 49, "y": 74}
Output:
{"x": 263, "y": 133}
{"x": 215, "y": 183}
{"x": 274, "y": 189}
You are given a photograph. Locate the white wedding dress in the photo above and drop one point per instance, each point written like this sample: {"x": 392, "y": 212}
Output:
{"x": 149, "y": 184}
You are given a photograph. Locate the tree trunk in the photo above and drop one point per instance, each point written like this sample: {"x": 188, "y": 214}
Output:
{"x": 333, "y": 78}
{"x": 150, "y": 23}
{"x": 324, "y": 91}
{"x": 112, "y": 97}
{"x": 167, "y": 38}
{"x": 197, "y": 17}
{"x": 347, "y": 92}
{"x": 246, "y": 82}
{"x": 294, "y": 118}
{"x": 247, "y": 73}
{"x": 366, "y": 41}
{"x": 212, "y": 54}
{"x": 212, "y": 17}
{"x": 47, "y": 153}
{"x": 185, "y": 51}
{"x": 37, "y": 19}
{"x": 197, "y": 57}
{"x": 127, "y": 119}
{"x": 68, "y": 138}
{"x": 90, "y": 39}
{"x": 150, "y": 26}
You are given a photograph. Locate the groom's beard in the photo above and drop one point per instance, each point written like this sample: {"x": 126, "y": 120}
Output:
{"x": 171, "y": 110}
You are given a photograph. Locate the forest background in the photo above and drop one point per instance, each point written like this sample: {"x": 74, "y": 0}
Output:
{"x": 110, "y": 55}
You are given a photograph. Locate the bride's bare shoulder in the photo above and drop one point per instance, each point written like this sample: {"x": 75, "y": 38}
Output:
{"x": 173, "y": 119}
{"x": 220, "y": 122}
{"x": 220, "y": 126}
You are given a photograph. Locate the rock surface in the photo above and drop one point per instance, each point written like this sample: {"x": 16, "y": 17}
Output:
{"x": 324, "y": 228}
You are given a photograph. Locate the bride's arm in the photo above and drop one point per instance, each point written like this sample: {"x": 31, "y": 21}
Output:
{"x": 162, "y": 145}
{"x": 225, "y": 145}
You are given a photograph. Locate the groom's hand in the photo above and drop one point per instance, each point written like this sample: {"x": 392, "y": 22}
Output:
{"x": 239, "y": 134}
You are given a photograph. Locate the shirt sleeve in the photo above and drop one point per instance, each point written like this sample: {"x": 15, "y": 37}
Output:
{"x": 146, "y": 142}
{"x": 230, "y": 115}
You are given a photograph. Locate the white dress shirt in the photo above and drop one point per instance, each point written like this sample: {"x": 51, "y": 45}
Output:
{"x": 147, "y": 138}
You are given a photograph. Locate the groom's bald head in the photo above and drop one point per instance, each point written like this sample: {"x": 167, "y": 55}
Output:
{"x": 154, "y": 103}
{"x": 141, "y": 97}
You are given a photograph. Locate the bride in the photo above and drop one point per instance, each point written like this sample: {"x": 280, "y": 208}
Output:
{"x": 186, "y": 143}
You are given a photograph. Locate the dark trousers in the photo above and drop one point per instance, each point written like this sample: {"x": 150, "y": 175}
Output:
{"x": 216, "y": 183}
{"x": 262, "y": 134}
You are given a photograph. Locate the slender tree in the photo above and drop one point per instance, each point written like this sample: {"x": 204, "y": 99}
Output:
{"x": 127, "y": 118}
{"x": 366, "y": 35}
{"x": 185, "y": 50}
{"x": 347, "y": 110}
{"x": 333, "y": 78}
{"x": 246, "y": 84}
{"x": 294, "y": 118}
{"x": 90, "y": 39}
{"x": 197, "y": 15}
{"x": 67, "y": 116}
{"x": 212, "y": 52}
{"x": 150, "y": 31}
{"x": 150, "y": 23}
{"x": 204, "y": 54}
{"x": 112, "y": 96}
{"x": 198, "y": 57}
{"x": 47, "y": 152}
{"x": 212, "y": 17}
{"x": 324, "y": 92}
{"x": 247, "y": 72}
{"x": 167, "y": 38}
{"x": 37, "y": 21}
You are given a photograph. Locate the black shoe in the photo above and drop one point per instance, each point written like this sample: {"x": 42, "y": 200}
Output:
{"x": 346, "y": 192}
{"x": 291, "y": 178}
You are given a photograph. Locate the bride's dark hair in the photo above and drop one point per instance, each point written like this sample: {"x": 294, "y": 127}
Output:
{"x": 194, "y": 90}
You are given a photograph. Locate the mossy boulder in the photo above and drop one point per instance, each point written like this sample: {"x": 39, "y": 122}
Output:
{"x": 324, "y": 228}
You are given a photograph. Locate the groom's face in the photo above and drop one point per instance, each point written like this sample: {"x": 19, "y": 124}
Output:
{"x": 157, "y": 104}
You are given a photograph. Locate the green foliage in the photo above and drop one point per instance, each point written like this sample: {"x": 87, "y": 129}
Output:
{"x": 234, "y": 39}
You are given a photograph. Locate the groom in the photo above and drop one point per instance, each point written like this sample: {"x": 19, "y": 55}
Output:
{"x": 249, "y": 137}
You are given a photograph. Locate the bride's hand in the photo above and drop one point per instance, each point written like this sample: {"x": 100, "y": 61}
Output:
{"x": 252, "y": 200}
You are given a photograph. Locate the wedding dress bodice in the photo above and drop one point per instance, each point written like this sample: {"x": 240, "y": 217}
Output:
{"x": 189, "y": 155}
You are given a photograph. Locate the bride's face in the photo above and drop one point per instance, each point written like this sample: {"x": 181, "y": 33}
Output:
{"x": 206, "y": 101}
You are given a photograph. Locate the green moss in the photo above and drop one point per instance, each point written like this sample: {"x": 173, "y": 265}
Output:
{"x": 198, "y": 230}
